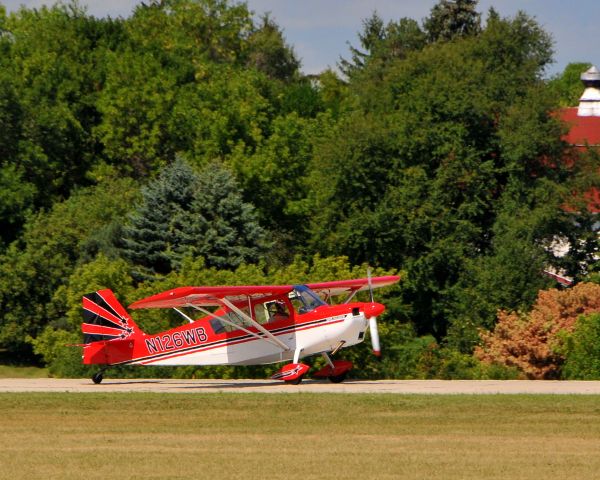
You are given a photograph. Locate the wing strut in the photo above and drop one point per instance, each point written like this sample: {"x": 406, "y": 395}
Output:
{"x": 183, "y": 315}
{"x": 253, "y": 322}
{"x": 277, "y": 343}
{"x": 351, "y": 296}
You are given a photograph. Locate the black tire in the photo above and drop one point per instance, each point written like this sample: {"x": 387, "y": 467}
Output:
{"x": 97, "y": 378}
{"x": 337, "y": 378}
{"x": 297, "y": 381}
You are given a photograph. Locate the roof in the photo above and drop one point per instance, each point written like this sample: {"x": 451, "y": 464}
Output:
{"x": 583, "y": 131}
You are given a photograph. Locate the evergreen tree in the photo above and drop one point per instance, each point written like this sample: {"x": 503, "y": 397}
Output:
{"x": 269, "y": 53}
{"x": 372, "y": 35}
{"x": 383, "y": 43}
{"x": 220, "y": 226}
{"x": 452, "y": 18}
{"x": 153, "y": 233}
{"x": 183, "y": 213}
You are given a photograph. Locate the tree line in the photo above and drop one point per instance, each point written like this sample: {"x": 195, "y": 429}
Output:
{"x": 183, "y": 145}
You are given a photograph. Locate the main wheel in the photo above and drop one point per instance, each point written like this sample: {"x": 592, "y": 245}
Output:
{"x": 337, "y": 378}
{"x": 97, "y": 378}
{"x": 296, "y": 381}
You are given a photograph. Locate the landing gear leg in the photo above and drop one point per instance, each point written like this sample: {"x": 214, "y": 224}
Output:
{"x": 296, "y": 359}
{"x": 328, "y": 360}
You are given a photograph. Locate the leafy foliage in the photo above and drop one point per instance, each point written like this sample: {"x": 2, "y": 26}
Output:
{"x": 533, "y": 342}
{"x": 187, "y": 213}
{"x": 567, "y": 85}
{"x": 52, "y": 245}
{"x": 582, "y": 349}
{"x": 269, "y": 53}
{"x": 452, "y": 18}
{"x": 182, "y": 144}
{"x": 434, "y": 151}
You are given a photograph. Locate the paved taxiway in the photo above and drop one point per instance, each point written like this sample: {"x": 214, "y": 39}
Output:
{"x": 308, "y": 386}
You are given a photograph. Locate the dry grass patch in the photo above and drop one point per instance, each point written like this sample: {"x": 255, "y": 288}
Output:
{"x": 308, "y": 436}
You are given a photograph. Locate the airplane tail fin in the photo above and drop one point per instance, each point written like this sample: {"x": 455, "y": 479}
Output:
{"x": 108, "y": 330}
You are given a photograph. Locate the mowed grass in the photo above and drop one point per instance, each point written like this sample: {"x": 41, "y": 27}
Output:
{"x": 12, "y": 371}
{"x": 298, "y": 436}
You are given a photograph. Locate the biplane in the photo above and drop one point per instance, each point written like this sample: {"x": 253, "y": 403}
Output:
{"x": 238, "y": 325}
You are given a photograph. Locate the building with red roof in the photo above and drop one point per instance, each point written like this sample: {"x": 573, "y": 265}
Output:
{"x": 583, "y": 122}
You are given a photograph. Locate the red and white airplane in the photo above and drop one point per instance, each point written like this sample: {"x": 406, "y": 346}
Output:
{"x": 252, "y": 325}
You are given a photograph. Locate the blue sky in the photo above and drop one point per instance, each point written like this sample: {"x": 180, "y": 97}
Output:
{"x": 320, "y": 29}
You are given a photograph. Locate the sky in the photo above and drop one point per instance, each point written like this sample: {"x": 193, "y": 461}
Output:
{"x": 320, "y": 30}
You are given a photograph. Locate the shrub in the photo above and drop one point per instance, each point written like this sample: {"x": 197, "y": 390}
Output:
{"x": 533, "y": 342}
{"x": 582, "y": 349}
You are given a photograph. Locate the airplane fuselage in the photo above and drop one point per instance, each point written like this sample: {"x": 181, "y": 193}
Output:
{"x": 196, "y": 343}
{"x": 321, "y": 330}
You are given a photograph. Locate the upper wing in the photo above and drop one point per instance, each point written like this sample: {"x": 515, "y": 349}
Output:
{"x": 230, "y": 297}
{"x": 350, "y": 286}
{"x": 209, "y": 296}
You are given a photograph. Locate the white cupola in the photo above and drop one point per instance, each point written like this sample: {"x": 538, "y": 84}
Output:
{"x": 589, "y": 103}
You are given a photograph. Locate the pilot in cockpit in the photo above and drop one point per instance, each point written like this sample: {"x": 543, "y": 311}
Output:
{"x": 278, "y": 311}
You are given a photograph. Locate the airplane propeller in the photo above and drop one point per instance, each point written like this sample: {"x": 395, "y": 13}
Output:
{"x": 373, "y": 330}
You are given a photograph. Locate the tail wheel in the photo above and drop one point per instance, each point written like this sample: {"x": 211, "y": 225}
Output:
{"x": 296, "y": 381}
{"x": 337, "y": 378}
{"x": 97, "y": 378}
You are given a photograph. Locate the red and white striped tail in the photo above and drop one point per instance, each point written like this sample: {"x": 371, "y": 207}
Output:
{"x": 104, "y": 318}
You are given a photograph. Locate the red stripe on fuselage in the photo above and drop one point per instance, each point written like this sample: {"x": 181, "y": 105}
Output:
{"x": 232, "y": 341}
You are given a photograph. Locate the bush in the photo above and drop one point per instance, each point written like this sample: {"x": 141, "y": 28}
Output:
{"x": 449, "y": 364}
{"x": 532, "y": 342}
{"x": 62, "y": 359}
{"x": 582, "y": 349}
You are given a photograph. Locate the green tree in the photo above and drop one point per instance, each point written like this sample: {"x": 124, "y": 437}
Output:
{"x": 134, "y": 106}
{"x": 268, "y": 52}
{"x": 371, "y": 36}
{"x": 452, "y": 18}
{"x": 274, "y": 178}
{"x": 227, "y": 110}
{"x": 382, "y": 44}
{"x": 153, "y": 233}
{"x": 32, "y": 268}
{"x": 419, "y": 170}
{"x": 582, "y": 349}
{"x": 219, "y": 225}
{"x": 51, "y": 59}
{"x": 567, "y": 85}
{"x": 187, "y": 213}
{"x": 16, "y": 198}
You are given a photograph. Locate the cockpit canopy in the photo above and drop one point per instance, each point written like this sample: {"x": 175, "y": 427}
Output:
{"x": 304, "y": 299}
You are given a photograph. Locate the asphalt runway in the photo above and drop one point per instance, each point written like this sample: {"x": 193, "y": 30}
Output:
{"x": 428, "y": 387}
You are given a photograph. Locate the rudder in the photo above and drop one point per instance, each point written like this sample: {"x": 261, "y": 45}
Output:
{"x": 105, "y": 319}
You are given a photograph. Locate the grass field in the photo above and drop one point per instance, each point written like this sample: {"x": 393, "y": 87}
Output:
{"x": 11, "y": 371}
{"x": 293, "y": 436}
